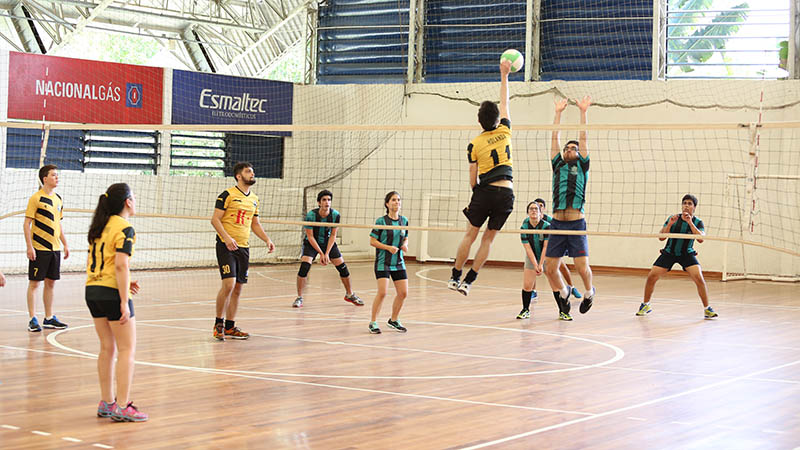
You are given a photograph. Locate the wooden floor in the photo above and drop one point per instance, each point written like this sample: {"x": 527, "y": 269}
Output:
{"x": 466, "y": 375}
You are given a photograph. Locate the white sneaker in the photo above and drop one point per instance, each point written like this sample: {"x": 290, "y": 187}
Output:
{"x": 452, "y": 284}
{"x": 464, "y": 288}
{"x": 298, "y": 302}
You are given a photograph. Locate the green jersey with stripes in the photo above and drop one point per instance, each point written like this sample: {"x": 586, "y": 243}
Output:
{"x": 535, "y": 240}
{"x": 321, "y": 234}
{"x": 681, "y": 247}
{"x": 385, "y": 260}
{"x": 569, "y": 182}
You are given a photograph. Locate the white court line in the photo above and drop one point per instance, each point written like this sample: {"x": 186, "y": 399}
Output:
{"x": 53, "y": 341}
{"x": 637, "y": 418}
{"x": 71, "y": 439}
{"x": 101, "y": 446}
{"x": 41, "y": 433}
{"x": 628, "y": 408}
{"x": 9, "y": 427}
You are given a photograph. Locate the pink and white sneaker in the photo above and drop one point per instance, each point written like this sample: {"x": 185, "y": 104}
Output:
{"x": 105, "y": 409}
{"x": 128, "y": 414}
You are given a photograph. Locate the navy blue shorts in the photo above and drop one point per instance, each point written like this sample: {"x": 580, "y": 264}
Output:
{"x": 572, "y": 245}
{"x": 308, "y": 250}
{"x": 667, "y": 260}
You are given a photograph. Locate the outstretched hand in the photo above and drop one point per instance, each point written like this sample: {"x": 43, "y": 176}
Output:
{"x": 505, "y": 67}
{"x": 561, "y": 105}
{"x": 584, "y": 103}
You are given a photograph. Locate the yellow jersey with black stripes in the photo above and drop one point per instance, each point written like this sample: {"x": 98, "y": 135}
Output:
{"x": 46, "y": 212}
{"x": 118, "y": 236}
{"x": 491, "y": 150}
{"x": 240, "y": 208}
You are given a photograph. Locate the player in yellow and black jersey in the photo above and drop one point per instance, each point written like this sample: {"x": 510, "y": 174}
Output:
{"x": 108, "y": 296}
{"x": 44, "y": 239}
{"x": 490, "y": 176}
{"x": 235, "y": 215}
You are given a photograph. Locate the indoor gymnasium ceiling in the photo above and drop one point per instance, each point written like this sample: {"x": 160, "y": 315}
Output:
{"x": 239, "y": 37}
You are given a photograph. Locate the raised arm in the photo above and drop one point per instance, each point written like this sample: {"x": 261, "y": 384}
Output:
{"x": 583, "y": 145}
{"x": 505, "y": 69}
{"x": 555, "y": 139}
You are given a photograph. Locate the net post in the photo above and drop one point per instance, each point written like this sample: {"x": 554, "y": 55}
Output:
{"x": 45, "y": 138}
{"x": 311, "y": 43}
{"x": 532, "y": 39}
{"x": 165, "y": 136}
{"x": 793, "y": 59}
{"x": 659, "y": 40}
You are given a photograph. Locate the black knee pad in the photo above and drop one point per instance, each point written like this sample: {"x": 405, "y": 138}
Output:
{"x": 304, "y": 268}
{"x": 343, "y": 272}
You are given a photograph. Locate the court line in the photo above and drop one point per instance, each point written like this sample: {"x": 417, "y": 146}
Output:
{"x": 54, "y": 342}
{"x": 628, "y": 408}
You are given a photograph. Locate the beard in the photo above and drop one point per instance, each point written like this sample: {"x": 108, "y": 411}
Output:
{"x": 250, "y": 182}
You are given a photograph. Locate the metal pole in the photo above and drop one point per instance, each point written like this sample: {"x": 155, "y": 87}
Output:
{"x": 534, "y": 60}
{"x": 528, "y": 40}
{"x": 412, "y": 38}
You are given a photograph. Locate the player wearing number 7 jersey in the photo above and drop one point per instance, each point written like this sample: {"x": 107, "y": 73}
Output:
{"x": 235, "y": 215}
{"x": 489, "y": 157}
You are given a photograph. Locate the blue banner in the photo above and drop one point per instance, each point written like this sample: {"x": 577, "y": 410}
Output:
{"x": 205, "y": 98}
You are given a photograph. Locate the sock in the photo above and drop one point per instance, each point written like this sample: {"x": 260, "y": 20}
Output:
{"x": 526, "y": 299}
{"x": 229, "y": 324}
{"x": 589, "y": 293}
{"x": 218, "y": 321}
{"x": 471, "y": 276}
{"x": 48, "y": 318}
{"x": 456, "y": 274}
{"x": 557, "y": 296}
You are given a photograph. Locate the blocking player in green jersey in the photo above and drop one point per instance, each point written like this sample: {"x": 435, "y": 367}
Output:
{"x": 680, "y": 251}
{"x": 563, "y": 269}
{"x": 535, "y": 246}
{"x": 390, "y": 245}
{"x": 322, "y": 241}
{"x": 570, "y": 176}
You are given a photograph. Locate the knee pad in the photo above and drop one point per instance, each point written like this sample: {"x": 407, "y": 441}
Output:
{"x": 343, "y": 272}
{"x": 304, "y": 268}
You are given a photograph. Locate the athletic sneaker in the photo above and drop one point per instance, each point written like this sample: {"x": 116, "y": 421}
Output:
{"x": 33, "y": 326}
{"x": 709, "y": 313}
{"x": 452, "y": 284}
{"x": 524, "y": 314}
{"x": 298, "y": 302}
{"x": 105, "y": 409}
{"x": 564, "y": 316}
{"x": 54, "y": 323}
{"x": 397, "y": 325}
{"x": 534, "y": 297}
{"x": 219, "y": 331}
{"x": 236, "y": 333}
{"x": 575, "y": 292}
{"x": 644, "y": 309}
{"x": 128, "y": 414}
{"x": 586, "y": 304}
{"x": 373, "y": 328}
{"x": 353, "y": 298}
{"x": 464, "y": 287}
{"x": 565, "y": 305}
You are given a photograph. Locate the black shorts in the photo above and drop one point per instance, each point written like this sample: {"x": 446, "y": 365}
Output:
{"x": 308, "y": 250}
{"x": 396, "y": 275}
{"x": 494, "y": 202}
{"x": 233, "y": 263}
{"x": 667, "y": 260}
{"x": 104, "y": 301}
{"x": 47, "y": 265}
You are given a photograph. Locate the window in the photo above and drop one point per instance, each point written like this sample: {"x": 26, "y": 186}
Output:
{"x": 725, "y": 38}
{"x": 197, "y": 153}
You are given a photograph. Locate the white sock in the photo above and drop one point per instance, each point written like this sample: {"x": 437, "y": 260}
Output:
{"x": 589, "y": 294}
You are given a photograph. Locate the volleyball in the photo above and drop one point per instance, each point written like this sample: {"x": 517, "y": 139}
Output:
{"x": 515, "y": 57}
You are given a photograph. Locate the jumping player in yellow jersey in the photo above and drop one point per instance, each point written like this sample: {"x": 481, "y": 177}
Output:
{"x": 108, "y": 296}
{"x": 490, "y": 177}
{"x": 235, "y": 215}
{"x": 44, "y": 238}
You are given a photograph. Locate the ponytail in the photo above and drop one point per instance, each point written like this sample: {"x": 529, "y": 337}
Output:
{"x": 111, "y": 202}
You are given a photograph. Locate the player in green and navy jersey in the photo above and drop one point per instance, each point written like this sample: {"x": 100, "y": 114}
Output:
{"x": 322, "y": 241}
{"x": 563, "y": 269}
{"x": 680, "y": 251}
{"x": 390, "y": 245}
{"x": 570, "y": 174}
{"x": 535, "y": 245}
{"x": 44, "y": 238}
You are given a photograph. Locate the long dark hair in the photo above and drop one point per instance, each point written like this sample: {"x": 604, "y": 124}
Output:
{"x": 389, "y": 197}
{"x": 110, "y": 203}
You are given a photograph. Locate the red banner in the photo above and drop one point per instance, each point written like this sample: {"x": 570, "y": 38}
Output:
{"x": 56, "y": 89}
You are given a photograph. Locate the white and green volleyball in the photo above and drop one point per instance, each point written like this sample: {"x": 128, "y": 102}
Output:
{"x": 514, "y": 57}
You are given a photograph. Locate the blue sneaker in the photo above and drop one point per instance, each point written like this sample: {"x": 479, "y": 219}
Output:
{"x": 33, "y": 326}
{"x": 54, "y": 323}
{"x": 534, "y": 297}
{"x": 575, "y": 292}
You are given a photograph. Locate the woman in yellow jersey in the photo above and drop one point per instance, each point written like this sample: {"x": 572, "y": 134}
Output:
{"x": 108, "y": 291}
